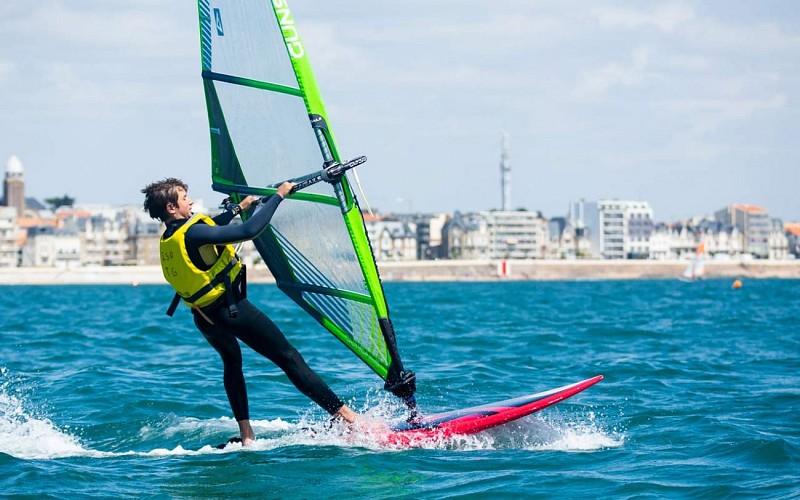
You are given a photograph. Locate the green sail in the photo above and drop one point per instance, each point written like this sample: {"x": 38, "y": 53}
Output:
{"x": 267, "y": 124}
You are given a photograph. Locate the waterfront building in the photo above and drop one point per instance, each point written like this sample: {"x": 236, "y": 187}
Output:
{"x": 498, "y": 234}
{"x": 581, "y": 214}
{"x": 676, "y": 241}
{"x": 625, "y": 229}
{"x": 680, "y": 240}
{"x": 777, "y": 241}
{"x": 465, "y": 236}
{"x": 556, "y": 228}
{"x": 725, "y": 241}
{"x": 144, "y": 240}
{"x": 686, "y": 238}
{"x": 585, "y": 237}
{"x": 753, "y": 222}
{"x": 661, "y": 242}
{"x": 50, "y": 246}
{"x": 9, "y": 235}
{"x": 392, "y": 239}
{"x": 792, "y": 232}
{"x": 429, "y": 235}
{"x": 618, "y": 229}
{"x": 103, "y": 242}
{"x": 516, "y": 234}
{"x": 565, "y": 239}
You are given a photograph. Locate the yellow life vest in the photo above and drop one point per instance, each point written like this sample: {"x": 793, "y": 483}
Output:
{"x": 198, "y": 287}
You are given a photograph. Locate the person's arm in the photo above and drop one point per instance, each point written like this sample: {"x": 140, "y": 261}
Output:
{"x": 227, "y": 216}
{"x": 203, "y": 234}
{"x": 224, "y": 218}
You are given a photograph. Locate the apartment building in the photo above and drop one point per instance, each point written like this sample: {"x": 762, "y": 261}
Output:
{"x": 753, "y": 222}
{"x": 9, "y": 233}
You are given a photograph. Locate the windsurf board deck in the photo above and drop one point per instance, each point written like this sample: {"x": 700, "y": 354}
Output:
{"x": 480, "y": 418}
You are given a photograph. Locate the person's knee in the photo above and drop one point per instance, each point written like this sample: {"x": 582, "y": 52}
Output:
{"x": 291, "y": 360}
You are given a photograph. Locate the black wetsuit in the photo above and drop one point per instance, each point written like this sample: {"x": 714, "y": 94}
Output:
{"x": 249, "y": 325}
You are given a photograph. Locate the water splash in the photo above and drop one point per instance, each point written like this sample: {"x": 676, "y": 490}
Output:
{"x": 28, "y": 436}
{"x": 572, "y": 433}
{"x": 23, "y": 435}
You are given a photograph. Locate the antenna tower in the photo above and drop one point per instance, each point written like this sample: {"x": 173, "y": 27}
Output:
{"x": 505, "y": 174}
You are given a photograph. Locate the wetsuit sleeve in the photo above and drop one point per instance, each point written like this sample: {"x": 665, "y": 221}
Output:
{"x": 224, "y": 218}
{"x": 202, "y": 234}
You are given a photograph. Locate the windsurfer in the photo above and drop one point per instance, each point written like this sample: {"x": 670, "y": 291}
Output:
{"x": 199, "y": 261}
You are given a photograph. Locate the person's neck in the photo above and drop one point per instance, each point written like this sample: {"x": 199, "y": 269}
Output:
{"x": 175, "y": 220}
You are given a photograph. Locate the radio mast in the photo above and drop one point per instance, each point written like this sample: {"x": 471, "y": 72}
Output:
{"x": 505, "y": 174}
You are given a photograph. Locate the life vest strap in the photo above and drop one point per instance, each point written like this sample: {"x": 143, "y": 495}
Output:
{"x": 219, "y": 278}
{"x": 243, "y": 285}
{"x": 176, "y": 299}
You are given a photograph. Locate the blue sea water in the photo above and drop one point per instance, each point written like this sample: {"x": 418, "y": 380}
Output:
{"x": 102, "y": 395}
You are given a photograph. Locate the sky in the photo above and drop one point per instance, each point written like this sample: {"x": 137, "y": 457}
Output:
{"x": 689, "y": 105}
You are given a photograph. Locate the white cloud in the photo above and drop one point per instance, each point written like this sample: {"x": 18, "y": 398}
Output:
{"x": 6, "y": 70}
{"x": 689, "y": 62}
{"x": 763, "y": 36}
{"x": 707, "y": 115}
{"x": 335, "y": 60}
{"x": 595, "y": 83}
{"x": 665, "y": 17}
{"x": 330, "y": 51}
{"x": 70, "y": 90}
{"x": 672, "y": 18}
{"x": 88, "y": 58}
{"x": 139, "y": 30}
{"x": 498, "y": 33}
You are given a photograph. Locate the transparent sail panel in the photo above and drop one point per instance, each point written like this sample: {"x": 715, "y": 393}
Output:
{"x": 271, "y": 134}
{"x": 246, "y": 41}
{"x": 316, "y": 243}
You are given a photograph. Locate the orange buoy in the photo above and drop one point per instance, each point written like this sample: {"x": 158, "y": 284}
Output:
{"x": 736, "y": 284}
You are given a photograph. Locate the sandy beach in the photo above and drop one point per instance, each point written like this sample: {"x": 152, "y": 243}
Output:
{"x": 460, "y": 270}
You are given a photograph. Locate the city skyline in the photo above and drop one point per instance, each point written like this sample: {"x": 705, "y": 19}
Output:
{"x": 14, "y": 164}
{"x": 687, "y": 105}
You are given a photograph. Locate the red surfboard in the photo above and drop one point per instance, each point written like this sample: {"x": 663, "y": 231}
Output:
{"x": 479, "y": 418}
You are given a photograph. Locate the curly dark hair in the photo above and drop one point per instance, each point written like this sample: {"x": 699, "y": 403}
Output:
{"x": 158, "y": 194}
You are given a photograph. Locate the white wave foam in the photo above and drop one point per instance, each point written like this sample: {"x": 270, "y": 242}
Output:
{"x": 553, "y": 432}
{"x": 25, "y": 436}
{"x": 576, "y": 434}
{"x": 28, "y": 437}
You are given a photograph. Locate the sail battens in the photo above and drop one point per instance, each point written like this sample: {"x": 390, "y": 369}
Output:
{"x": 303, "y": 267}
{"x": 344, "y": 294}
{"x": 248, "y": 82}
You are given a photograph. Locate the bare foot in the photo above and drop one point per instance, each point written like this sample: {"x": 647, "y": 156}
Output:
{"x": 360, "y": 423}
{"x": 346, "y": 414}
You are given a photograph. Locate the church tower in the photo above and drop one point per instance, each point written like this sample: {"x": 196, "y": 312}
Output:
{"x": 14, "y": 186}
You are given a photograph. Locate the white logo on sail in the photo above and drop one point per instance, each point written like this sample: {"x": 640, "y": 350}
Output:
{"x": 290, "y": 34}
{"x": 218, "y": 22}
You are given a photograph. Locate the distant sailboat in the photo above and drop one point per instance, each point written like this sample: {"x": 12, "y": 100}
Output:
{"x": 696, "y": 270}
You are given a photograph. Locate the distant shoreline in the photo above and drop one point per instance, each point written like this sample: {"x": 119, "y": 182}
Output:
{"x": 440, "y": 270}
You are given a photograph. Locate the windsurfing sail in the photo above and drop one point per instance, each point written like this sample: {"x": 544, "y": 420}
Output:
{"x": 696, "y": 269}
{"x": 268, "y": 124}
